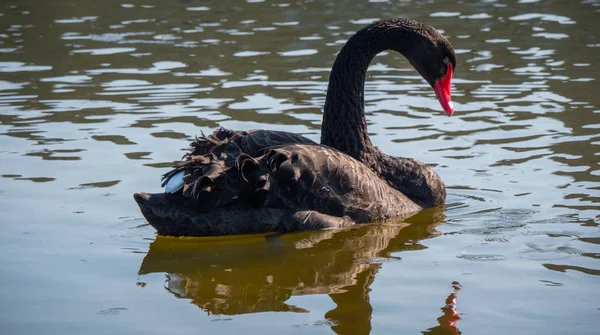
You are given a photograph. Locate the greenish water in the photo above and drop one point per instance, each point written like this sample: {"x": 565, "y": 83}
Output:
{"x": 98, "y": 97}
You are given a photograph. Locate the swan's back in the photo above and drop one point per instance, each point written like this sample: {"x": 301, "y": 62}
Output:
{"x": 249, "y": 141}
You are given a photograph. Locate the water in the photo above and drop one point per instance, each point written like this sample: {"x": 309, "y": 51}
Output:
{"x": 97, "y": 98}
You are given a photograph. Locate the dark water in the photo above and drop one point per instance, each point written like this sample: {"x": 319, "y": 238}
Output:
{"x": 98, "y": 97}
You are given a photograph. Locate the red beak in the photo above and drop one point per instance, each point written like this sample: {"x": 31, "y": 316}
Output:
{"x": 442, "y": 91}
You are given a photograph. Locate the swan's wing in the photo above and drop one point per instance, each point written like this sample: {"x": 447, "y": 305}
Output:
{"x": 303, "y": 177}
{"x": 204, "y": 144}
{"x": 209, "y": 181}
{"x": 325, "y": 180}
{"x": 215, "y": 155}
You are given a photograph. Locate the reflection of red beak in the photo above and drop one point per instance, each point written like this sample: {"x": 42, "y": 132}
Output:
{"x": 442, "y": 91}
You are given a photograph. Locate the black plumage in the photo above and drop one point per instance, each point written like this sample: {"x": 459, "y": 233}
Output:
{"x": 264, "y": 180}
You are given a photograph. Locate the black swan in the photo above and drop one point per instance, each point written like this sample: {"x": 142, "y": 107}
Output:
{"x": 272, "y": 181}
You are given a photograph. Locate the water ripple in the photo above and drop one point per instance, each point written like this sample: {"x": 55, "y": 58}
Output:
{"x": 99, "y": 99}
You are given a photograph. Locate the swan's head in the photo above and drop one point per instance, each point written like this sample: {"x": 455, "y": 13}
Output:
{"x": 427, "y": 50}
{"x": 432, "y": 55}
{"x": 435, "y": 62}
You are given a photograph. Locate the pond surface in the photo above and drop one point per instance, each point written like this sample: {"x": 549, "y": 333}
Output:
{"x": 97, "y": 98}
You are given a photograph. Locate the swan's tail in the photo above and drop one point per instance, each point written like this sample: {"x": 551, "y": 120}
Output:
{"x": 171, "y": 217}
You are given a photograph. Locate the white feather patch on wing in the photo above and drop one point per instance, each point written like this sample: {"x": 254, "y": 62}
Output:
{"x": 175, "y": 183}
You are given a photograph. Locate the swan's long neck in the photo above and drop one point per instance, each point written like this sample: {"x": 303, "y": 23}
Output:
{"x": 344, "y": 125}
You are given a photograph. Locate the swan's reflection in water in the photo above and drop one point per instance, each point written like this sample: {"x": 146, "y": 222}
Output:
{"x": 238, "y": 275}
